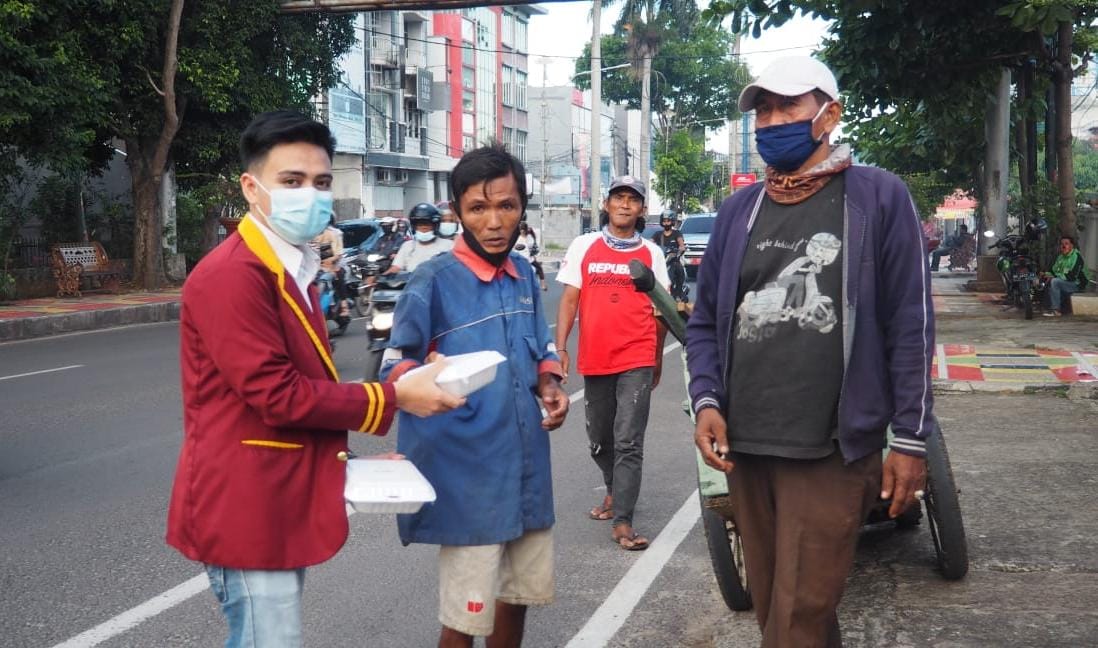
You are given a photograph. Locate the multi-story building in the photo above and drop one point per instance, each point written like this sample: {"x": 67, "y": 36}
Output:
{"x": 560, "y": 155}
{"x": 419, "y": 89}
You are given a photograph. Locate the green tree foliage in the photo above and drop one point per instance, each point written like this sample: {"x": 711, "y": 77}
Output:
{"x": 76, "y": 73}
{"x": 695, "y": 79}
{"x": 684, "y": 170}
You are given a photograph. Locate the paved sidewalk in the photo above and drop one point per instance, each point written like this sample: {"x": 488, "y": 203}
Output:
{"x": 31, "y": 318}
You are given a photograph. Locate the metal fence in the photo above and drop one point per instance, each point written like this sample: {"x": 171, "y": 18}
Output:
{"x": 30, "y": 252}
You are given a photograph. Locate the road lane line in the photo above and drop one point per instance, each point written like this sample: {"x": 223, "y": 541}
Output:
{"x": 134, "y": 616}
{"x": 180, "y": 593}
{"x": 44, "y": 371}
{"x": 619, "y": 604}
{"x": 943, "y": 364}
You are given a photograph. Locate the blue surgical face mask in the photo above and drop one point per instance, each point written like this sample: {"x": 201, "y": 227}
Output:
{"x": 447, "y": 229}
{"x": 300, "y": 214}
{"x": 425, "y": 237}
{"x": 787, "y": 146}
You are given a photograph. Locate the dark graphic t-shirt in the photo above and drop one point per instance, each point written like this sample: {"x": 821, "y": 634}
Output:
{"x": 787, "y": 354}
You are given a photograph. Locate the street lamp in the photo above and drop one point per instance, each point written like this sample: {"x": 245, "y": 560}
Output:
{"x": 612, "y": 67}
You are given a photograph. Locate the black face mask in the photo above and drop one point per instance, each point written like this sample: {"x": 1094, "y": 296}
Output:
{"x": 496, "y": 259}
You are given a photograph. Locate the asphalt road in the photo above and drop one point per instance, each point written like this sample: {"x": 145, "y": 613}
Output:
{"x": 87, "y": 454}
{"x": 89, "y": 451}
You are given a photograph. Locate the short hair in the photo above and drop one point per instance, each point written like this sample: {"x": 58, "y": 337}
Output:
{"x": 486, "y": 163}
{"x": 270, "y": 129}
{"x": 1070, "y": 238}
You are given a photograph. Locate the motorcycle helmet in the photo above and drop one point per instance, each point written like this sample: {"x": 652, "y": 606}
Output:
{"x": 425, "y": 213}
{"x": 667, "y": 218}
{"x": 388, "y": 223}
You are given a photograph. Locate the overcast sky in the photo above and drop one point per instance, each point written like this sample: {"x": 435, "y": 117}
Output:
{"x": 557, "y": 39}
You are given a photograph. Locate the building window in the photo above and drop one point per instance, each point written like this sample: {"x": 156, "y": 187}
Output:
{"x": 520, "y": 90}
{"x": 468, "y": 30}
{"x": 468, "y": 123}
{"x": 508, "y": 36}
{"x": 508, "y": 86}
{"x": 520, "y": 35}
{"x": 468, "y": 143}
{"x": 468, "y": 101}
{"x": 468, "y": 78}
{"x": 520, "y": 146}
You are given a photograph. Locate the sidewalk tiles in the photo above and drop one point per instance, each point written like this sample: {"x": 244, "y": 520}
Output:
{"x": 52, "y": 306}
{"x": 965, "y": 362}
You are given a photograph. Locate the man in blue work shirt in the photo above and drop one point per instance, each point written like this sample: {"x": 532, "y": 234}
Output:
{"x": 489, "y": 459}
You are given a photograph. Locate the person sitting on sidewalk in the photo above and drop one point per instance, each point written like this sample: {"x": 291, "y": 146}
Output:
{"x": 1069, "y": 275}
{"x": 952, "y": 243}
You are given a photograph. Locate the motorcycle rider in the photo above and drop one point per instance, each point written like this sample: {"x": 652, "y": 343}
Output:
{"x": 330, "y": 260}
{"x": 673, "y": 245}
{"x": 425, "y": 244}
{"x": 449, "y": 227}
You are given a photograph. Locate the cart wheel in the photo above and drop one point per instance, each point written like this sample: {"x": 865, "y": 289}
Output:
{"x": 1027, "y": 303}
{"x": 726, "y": 552}
{"x": 943, "y": 511}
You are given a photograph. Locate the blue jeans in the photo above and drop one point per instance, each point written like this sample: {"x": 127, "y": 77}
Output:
{"x": 263, "y": 608}
{"x": 1057, "y": 288}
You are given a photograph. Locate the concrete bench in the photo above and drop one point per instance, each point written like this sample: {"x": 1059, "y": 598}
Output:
{"x": 73, "y": 262}
{"x": 1082, "y": 304}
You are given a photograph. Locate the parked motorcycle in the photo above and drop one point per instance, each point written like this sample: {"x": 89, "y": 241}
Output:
{"x": 330, "y": 304}
{"x": 381, "y": 302}
{"x": 1018, "y": 265}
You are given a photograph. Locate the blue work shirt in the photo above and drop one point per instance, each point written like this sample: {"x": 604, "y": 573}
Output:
{"x": 488, "y": 460}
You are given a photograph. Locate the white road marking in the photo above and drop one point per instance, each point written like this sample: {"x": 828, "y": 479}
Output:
{"x": 134, "y": 616}
{"x": 943, "y": 367}
{"x": 619, "y": 604}
{"x": 44, "y": 371}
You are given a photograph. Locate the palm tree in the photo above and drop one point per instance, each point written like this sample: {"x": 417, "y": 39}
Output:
{"x": 647, "y": 23}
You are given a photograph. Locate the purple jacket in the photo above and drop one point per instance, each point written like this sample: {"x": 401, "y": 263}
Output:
{"x": 888, "y": 321}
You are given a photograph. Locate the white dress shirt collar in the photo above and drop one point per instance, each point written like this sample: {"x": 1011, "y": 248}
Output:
{"x": 302, "y": 262}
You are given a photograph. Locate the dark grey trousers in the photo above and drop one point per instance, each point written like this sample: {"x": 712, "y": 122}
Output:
{"x": 617, "y": 415}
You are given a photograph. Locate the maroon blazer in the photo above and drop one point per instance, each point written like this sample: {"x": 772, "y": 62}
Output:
{"x": 259, "y": 484}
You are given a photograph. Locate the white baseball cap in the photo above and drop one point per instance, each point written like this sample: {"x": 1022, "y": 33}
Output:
{"x": 791, "y": 76}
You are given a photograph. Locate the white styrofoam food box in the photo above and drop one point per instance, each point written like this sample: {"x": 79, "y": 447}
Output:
{"x": 466, "y": 372}
{"x": 386, "y": 486}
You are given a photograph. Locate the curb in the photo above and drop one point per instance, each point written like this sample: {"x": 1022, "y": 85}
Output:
{"x": 46, "y": 325}
{"x": 1076, "y": 390}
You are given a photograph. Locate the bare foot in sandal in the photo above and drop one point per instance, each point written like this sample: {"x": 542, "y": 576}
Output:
{"x": 628, "y": 539}
{"x": 604, "y": 511}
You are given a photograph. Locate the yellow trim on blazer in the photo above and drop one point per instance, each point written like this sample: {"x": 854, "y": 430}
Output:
{"x": 282, "y": 445}
{"x": 257, "y": 243}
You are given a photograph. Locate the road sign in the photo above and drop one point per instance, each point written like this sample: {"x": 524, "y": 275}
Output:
{"x": 741, "y": 180}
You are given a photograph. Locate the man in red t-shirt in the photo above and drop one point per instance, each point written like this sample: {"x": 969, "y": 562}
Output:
{"x": 620, "y": 348}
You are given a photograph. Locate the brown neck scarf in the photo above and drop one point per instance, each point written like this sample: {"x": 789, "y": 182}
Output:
{"x": 790, "y": 189}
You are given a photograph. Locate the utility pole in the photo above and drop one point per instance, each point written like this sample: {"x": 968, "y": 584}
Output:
{"x": 596, "y": 107}
{"x": 544, "y": 146}
{"x": 732, "y": 123}
{"x": 996, "y": 162}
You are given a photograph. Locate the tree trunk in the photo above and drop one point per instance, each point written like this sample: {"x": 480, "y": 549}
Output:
{"x": 1022, "y": 139}
{"x": 646, "y": 121}
{"x": 1065, "y": 179}
{"x": 148, "y": 269}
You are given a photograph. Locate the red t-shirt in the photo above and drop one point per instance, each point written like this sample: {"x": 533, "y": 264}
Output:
{"x": 617, "y": 324}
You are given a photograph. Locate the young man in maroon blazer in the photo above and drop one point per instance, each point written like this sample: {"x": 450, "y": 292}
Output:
{"x": 258, "y": 492}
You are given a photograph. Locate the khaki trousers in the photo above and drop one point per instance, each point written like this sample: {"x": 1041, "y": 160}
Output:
{"x": 799, "y": 522}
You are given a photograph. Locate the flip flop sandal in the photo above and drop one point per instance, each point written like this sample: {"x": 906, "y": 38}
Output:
{"x": 601, "y": 512}
{"x": 634, "y": 542}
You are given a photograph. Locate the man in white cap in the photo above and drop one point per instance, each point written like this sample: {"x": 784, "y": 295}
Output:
{"x": 812, "y": 334}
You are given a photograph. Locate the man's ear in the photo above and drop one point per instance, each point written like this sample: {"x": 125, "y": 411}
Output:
{"x": 249, "y": 188}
